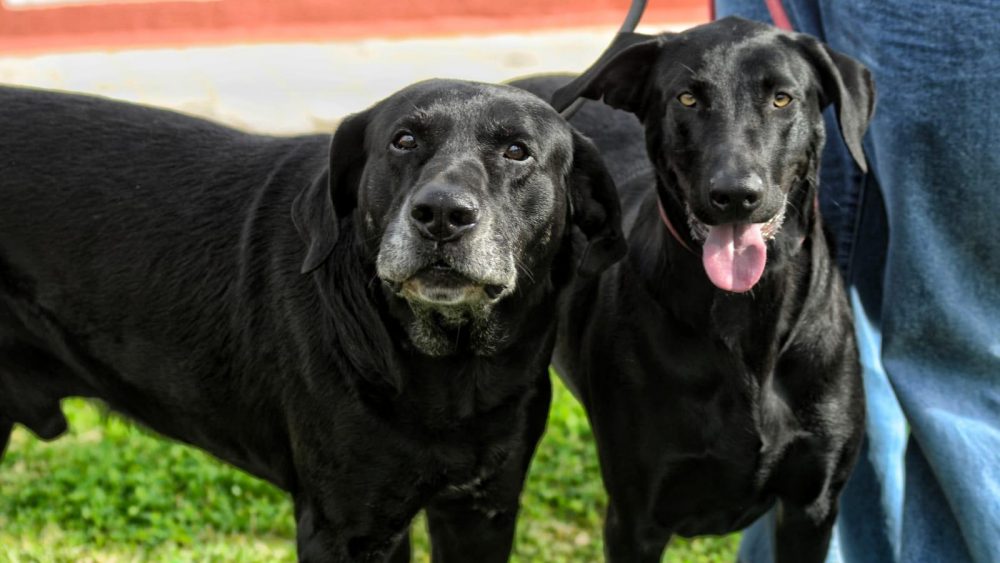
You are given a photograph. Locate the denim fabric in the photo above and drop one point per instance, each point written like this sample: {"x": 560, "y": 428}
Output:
{"x": 918, "y": 246}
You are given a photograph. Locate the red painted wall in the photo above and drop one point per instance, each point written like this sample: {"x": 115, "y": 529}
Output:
{"x": 35, "y": 25}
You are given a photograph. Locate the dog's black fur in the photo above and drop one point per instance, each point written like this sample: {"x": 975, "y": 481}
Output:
{"x": 282, "y": 303}
{"x": 712, "y": 406}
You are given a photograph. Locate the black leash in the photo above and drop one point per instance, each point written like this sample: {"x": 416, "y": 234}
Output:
{"x": 631, "y": 21}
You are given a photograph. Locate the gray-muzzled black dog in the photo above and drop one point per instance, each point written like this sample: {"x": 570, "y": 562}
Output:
{"x": 365, "y": 322}
{"x": 717, "y": 361}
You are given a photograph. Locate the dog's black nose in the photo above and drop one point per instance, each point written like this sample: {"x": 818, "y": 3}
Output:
{"x": 737, "y": 196}
{"x": 443, "y": 212}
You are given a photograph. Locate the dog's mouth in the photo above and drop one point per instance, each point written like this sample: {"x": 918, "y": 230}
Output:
{"x": 734, "y": 254}
{"x": 440, "y": 284}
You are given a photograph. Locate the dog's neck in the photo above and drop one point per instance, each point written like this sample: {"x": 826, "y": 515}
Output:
{"x": 675, "y": 276}
{"x": 510, "y": 344}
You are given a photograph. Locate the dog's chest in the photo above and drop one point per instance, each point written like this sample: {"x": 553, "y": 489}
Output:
{"x": 716, "y": 491}
{"x": 474, "y": 476}
{"x": 466, "y": 457}
{"x": 718, "y": 474}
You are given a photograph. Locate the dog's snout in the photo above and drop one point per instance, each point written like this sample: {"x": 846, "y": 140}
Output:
{"x": 443, "y": 212}
{"x": 736, "y": 196}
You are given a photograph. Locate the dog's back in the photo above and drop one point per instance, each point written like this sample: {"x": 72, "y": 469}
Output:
{"x": 124, "y": 220}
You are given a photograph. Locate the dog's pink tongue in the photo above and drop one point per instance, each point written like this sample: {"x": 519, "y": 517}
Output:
{"x": 734, "y": 256}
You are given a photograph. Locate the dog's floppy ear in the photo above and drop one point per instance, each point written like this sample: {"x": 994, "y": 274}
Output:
{"x": 619, "y": 75}
{"x": 595, "y": 208}
{"x": 848, "y": 85}
{"x": 317, "y": 209}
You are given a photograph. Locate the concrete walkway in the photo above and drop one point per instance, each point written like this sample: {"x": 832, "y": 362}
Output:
{"x": 302, "y": 87}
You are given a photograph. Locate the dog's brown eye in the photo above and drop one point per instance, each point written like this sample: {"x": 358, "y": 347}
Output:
{"x": 404, "y": 141}
{"x": 516, "y": 151}
{"x": 687, "y": 100}
{"x": 782, "y": 99}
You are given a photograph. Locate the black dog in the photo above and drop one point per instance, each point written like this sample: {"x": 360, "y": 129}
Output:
{"x": 717, "y": 362}
{"x": 156, "y": 261}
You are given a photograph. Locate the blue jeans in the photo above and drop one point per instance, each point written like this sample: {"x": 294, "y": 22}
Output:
{"x": 919, "y": 244}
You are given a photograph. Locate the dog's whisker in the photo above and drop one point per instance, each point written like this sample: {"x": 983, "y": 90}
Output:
{"x": 524, "y": 269}
{"x": 788, "y": 203}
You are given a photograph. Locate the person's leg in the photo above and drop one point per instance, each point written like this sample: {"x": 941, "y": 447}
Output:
{"x": 749, "y": 9}
{"x": 929, "y": 533}
{"x": 935, "y": 139}
{"x": 871, "y": 504}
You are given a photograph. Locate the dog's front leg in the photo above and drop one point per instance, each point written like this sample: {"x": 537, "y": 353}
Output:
{"x": 477, "y": 523}
{"x": 462, "y": 530}
{"x": 315, "y": 541}
{"x": 401, "y": 551}
{"x": 632, "y": 533}
{"x": 625, "y": 540}
{"x": 355, "y": 538}
{"x": 802, "y": 533}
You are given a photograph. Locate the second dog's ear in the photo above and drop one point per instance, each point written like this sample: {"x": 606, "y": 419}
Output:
{"x": 848, "y": 85}
{"x": 619, "y": 75}
{"x": 318, "y": 208}
{"x": 596, "y": 210}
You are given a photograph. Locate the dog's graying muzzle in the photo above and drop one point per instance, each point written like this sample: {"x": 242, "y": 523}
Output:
{"x": 443, "y": 212}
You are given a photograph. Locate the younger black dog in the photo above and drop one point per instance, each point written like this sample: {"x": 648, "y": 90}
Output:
{"x": 717, "y": 362}
{"x": 366, "y": 324}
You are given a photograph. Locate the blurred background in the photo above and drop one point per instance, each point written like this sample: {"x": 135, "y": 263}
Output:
{"x": 288, "y": 66}
{"x": 110, "y": 491}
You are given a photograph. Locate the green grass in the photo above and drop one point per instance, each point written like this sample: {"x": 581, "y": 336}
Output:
{"x": 110, "y": 491}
